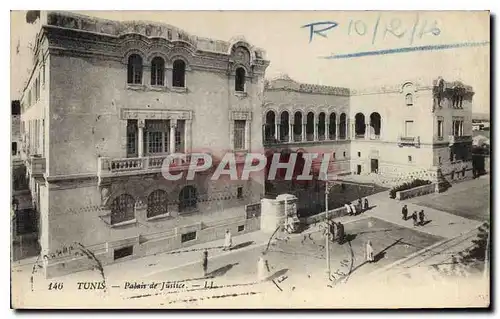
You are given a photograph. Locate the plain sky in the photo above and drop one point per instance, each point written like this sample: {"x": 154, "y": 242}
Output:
{"x": 287, "y": 45}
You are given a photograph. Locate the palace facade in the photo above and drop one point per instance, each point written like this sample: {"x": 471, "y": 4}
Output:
{"x": 107, "y": 101}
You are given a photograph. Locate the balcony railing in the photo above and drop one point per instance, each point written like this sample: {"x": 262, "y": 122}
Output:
{"x": 359, "y": 136}
{"x": 459, "y": 139}
{"x": 409, "y": 141}
{"x": 140, "y": 165}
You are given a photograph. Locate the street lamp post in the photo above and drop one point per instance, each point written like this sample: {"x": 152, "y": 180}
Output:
{"x": 327, "y": 246}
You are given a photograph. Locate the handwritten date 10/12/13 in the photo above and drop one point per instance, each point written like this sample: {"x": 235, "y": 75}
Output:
{"x": 379, "y": 30}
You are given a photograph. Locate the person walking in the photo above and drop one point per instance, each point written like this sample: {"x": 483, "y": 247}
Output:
{"x": 353, "y": 209}
{"x": 348, "y": 209}
{"x": 415, "y": 219}
{"x": 421, "y": 216}
{"x": 333, "y": 230}
{"x": 261, "y": 269}
{"x": 369, "y": 252}
{"x": 404, "y": 211}
{"x": 205, "y": 262}
{"x": 340, "y": 233}
{"x": 360, "y": 204}
{"x": 228, "y": 240}
{"x": 366, "y": 204}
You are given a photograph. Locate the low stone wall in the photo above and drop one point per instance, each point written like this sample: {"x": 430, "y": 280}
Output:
{"x": 160, "y": 243}
{"x": 333, "y": 213}
{"x": 416, "y": 191}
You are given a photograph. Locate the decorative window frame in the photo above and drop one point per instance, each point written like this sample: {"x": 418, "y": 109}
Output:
{"x": 241, "y": 116}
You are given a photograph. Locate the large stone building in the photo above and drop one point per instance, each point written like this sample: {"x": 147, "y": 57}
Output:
{"x": 107, "y": 101}
{"x": 395, "y": 134}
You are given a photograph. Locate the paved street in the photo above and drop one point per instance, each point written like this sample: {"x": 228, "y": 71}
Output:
{"x": 296, "y": 263}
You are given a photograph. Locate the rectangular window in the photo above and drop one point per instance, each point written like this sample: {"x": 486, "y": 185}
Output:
{"x": 132, "y": 138}
{"x": 179, "y": 136}
{"x": 239, "y": 134}
{"x": 241, "y": 228}
{"x": 333, "y": 155}
{"x": 344, "y": 154}
{"x": 188, "y": 237}
{"x": 439, "y": 160}
{"x": 156, "y": 136}
{"x": 409, "y": 129}
{"x": 440, "y": 128}
{"x": 123, "y": 252}
{"x": 409, "y": 159}
{"x": 14, "y": 148}
{"x": 240, "y": 192}
{"x": 359, "y": 154}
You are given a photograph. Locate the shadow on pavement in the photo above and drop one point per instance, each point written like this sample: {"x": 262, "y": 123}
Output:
{"x": 242, "y": 245}
{"x": 220, "y": 271}
{"x": 425, "y": 223}
{"x": 277, "y": 274}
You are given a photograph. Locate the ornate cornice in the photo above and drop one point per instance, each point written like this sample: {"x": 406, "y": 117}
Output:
{"x": 87, "y": 36}
{"x": 285, "y": 83}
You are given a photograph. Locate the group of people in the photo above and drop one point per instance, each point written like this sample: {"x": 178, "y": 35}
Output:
{"x": 353, "y": 209}
{"x": 337, "y": 231}
{"x": 418, "y": 217}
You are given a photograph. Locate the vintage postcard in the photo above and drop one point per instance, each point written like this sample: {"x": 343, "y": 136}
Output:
{"x": 250, "y": 159}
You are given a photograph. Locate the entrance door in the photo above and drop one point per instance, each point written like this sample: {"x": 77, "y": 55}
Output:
{"x": 374, "y": 166}
{"x": 358, "y": 171}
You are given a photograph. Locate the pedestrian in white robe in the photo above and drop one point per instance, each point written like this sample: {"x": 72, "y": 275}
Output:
{"x": 369, "y": 252}
{"x": 353, "y": 208}
{"x": 261, "y": 269}
{"x": 228, "y": 240}
{"x": 348, "y": 209}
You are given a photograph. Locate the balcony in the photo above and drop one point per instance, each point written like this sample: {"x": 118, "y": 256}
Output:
{"x": 409, "y": 141}
{"x": 112, "y": 167}
{"x": 36, "y": 165}
{"x": 453, "y": 139}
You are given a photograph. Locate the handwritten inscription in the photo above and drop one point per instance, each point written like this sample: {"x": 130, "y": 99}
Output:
{"x": 380, "y": 30}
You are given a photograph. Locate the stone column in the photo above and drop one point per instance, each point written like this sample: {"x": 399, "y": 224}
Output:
{"x": 247, "y": 135}
{"x": 303, "y": 131}
{"x": 173, "y": 125}
{"x": 276, "y": 131}
{"x": 187, "y": 136}
{"x": 290, "y": 131}
{"x": 327, "y": 130}
{"x": 367, "y": 131}
{"x": 337, "y": 129}
{"x": 140, "y": 138}
{"x": 316, "y": 123}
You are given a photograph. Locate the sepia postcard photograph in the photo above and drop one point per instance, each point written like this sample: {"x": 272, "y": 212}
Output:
{"x": 250, "y": 159}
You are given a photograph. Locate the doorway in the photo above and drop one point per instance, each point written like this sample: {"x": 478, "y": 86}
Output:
{"x": 358, "y": 170}
{"x": 374, "y": 165}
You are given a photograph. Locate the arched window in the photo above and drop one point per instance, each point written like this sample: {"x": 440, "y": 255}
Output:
{"x": 343, "y": 126}
{"x": 179, "y": 73}
{"x": 270, "y": 127}
{"x": 240, "y": 80}
{"x": 187, "y": 198}
{"x": 360, "y": 127}
{"x": 375, "y": 123}
{"x": 321, "y": 126}
{"x": 332, "y": 129}
{"x": 157, "y": 203}
{"x": 297, "y": 127}
{"x": 310, "y": 126}
{"x": 122, "y": 209}
{"x": 409, "y": 99}
{"x": 157, "y": 71}
{"x": 284, "y": 133}
{"x": 134, "y": 69}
